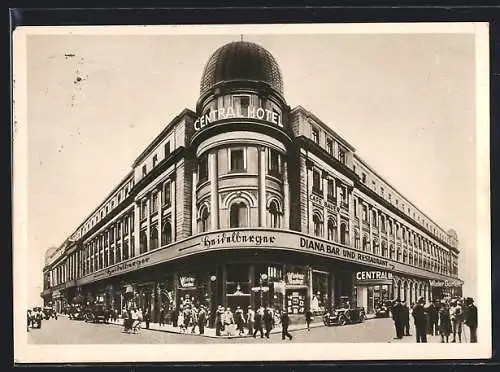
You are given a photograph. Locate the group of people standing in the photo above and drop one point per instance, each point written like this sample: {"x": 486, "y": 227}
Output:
{"x": 443, "y": 318}
{"x": 187, "y": 317}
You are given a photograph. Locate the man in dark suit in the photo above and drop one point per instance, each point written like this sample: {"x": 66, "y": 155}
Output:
{"x": 420, "y": 320}
{"x": 285, "y": 321}
{"x": 397, "y": 316}
{"x": 471, "y": 319}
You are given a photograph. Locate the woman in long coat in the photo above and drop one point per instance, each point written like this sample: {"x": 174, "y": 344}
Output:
{"x": 444, "y": 322}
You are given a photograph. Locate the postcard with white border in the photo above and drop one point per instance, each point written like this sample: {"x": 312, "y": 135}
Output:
{"x": 264, "y": 192}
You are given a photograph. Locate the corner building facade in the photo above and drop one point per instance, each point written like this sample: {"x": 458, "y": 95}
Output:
{"x": 247, "y": 201}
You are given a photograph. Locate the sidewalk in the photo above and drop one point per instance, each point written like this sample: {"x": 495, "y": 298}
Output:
{"x": 210, "y": 332}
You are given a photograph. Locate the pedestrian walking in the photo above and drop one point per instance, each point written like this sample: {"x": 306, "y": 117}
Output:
{"x": 268, "y": 321}
{"x": 285, "y": 322}
{"x": 457, "y": 319}
{"x": 228, "y": 321}
{"x": 444, "y": 322}
{"x": 250, "y": 320}
{"x": 406, "y": 319}
{"x": 162, "y": 316}
{"x": 147, "y": 317}
{"x": 180, "y": 319}
{"x": 175, "y": 317}
{"x": 239, "y": 319}
{"x": 419, "y": 320}
{"x": 194, "y": 318}
{"x": 259, "y": 320}
{"x": 471, "y": 319}
{"x": 219, "y": 320}
{"x": 28, "y": 320}
{"x": 308, "y": 314}
{"x": 202, "y": 319}
{"x": 398, "y": 318}
{"x": 433, "y": 318}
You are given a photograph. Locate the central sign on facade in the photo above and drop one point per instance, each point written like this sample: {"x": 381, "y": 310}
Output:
{"x": 250, "y": 112}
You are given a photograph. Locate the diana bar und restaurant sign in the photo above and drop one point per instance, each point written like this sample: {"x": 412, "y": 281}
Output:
{"x": 251, "y": 112}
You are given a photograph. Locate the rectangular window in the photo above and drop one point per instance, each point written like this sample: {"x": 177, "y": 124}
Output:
{"x": 203, "y": 168}
{"x": 241, "y": 104}
{"x": 363, "y": 177}
{"x": 274, "y": 164}
{"x": 237, "y": 160}
{"x": 382, "y": 191}
{"x": 316, "y": 181}
{"x": 315, "y": 135}
{"x": 365, "y": 213}
{"x": 144, "y": 207}
{"x": 343, "y": 194}
{"x": 144, "y": 170}
{"x": 342, "y": 156}
{"x": 154, "y": 202}
{"x": 329, "y": 146}
{"x": 155, "y": 160}
{"x": 355, "y": 207}
{"x": 374, "y": 186}
{"x": 167, "y": 149}
{"x": 331, "y": 189}
{"x": 167, "y": 193}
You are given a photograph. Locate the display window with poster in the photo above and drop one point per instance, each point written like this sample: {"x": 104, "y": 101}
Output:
{"x": 238, "y": 286}
{"x": 187, "y": 289}
{"x": 296, "y": 289}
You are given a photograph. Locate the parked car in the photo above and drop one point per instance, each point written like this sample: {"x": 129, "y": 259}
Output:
{"x": 76, "y": 313}
{"x": 98, "y": 313}
{"x": 382, "y": 311}
{"x": 343, "y": 316}
{"x": 36, "y": 320}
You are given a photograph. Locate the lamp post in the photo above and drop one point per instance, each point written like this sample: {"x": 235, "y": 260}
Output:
{"x": 263, "y": 277}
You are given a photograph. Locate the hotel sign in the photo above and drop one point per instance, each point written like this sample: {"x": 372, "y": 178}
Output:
{"x": 373, "y": 276}
{"x": 230, "y": 112}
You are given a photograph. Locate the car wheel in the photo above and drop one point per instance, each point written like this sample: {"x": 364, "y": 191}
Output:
{"x": 343, "y": 321}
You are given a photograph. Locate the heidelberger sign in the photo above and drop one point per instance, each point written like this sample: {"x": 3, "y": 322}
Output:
{"x": 254, "y": 239}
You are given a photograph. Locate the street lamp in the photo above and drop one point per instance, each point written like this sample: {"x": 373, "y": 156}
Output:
{"x": 263, "y": 278}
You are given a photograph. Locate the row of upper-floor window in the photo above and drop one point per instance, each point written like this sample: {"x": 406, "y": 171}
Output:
{"x": 151, "y": 203}
{"x": 107, "y": 208}
{"x": 334, "y": 148}
{"x": 239, "y": 216}
{"x": 154, "y": 160}
{"x": 333, "y": 186}
{"x": 245, "y": 106}
{"x": 238, "y": 162}
{"x": 406, "y": 208}
{"x": 388, "y": 225}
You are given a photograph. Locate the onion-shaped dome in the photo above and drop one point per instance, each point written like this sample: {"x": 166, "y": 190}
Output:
{"x": 241, "y": 61}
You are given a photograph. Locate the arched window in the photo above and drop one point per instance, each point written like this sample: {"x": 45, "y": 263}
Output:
{"x": 166, "y": 232}
{"x": 365, "y": 243}
{"x": 332, "y": 230}
{"x": 391, "y": 252}
{"x": 405, "y": 256}
{"x": 399, "y": 255}
{"x": 384, "y": 249}
{"x": 410, "y": 258}
{"x": 274, "y": 215}
{"x": 154, "y": 237}
{"x": 375, "y": 246}
{"x": 343, "y": 233}
{"x": 356, "y": 240}
{"x": 238, "y": 215}
{"x": 203, "y": 220}
{"x": 318, "y": 225}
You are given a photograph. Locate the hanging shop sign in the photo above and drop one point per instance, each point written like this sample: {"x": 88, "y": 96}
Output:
{"x": 235, "y": 112}
{"x": 187, "y": 281}
{"x": 295, "y": 278}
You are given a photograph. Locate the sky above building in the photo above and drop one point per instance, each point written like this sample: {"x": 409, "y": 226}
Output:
{"x": 406, "y": 102}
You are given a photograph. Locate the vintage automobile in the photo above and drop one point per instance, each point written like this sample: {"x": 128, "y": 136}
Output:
{"x": 36, "y": 317}
{"x": 49, "y": 312}
{"x": 76, "y": 313}
{"x": 343, "y": 316}
{"x": 97, "y": 313}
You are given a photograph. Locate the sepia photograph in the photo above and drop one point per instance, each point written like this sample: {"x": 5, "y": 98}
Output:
{"x": 251, "y": 192}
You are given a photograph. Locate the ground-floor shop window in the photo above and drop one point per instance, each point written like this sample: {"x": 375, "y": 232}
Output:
{"x": 319, "y": 298}
{"x": 238, "y": 286}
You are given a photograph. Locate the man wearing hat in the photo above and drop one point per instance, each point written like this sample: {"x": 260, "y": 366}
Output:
{"x": 219, "y": 317}
{"x": 471, "y": 319}
{"x": 397, "y": 316}
{"x": 202, "y": 319}
{"x": 420, "y": 321}
{"x": 285, "y": 321}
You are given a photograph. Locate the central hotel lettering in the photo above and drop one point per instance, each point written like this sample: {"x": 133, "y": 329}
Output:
{"x": 245, "y": 192}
